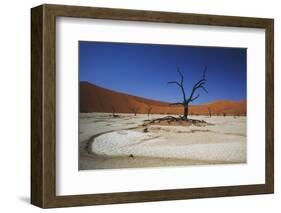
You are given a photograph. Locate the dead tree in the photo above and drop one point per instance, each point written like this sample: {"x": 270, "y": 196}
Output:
{"x": 149, "y": 108}
{"x": 186, "y": 101}
{"x": 210, "y": 111}
{"x": 135, "y": 110}
{"x": 236, "y": 114}
{"x": 113, "y": 111}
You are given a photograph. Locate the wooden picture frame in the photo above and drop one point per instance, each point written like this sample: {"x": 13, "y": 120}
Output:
{"x": 43, "y": 105}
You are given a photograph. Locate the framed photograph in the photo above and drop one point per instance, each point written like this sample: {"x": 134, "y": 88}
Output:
{"x": 136, "y": 106}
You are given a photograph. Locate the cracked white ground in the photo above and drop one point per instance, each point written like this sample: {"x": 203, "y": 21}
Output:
{"x": 108, "y": 143}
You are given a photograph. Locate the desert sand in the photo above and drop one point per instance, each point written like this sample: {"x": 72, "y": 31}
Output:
{"x": 108, "y": 142}
{"x": 94, "y": 98}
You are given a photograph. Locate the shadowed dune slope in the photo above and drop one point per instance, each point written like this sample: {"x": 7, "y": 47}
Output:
{"x": 97, "y": 99}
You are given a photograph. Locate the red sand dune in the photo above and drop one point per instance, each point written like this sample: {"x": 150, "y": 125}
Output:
{"x": 97, "y": 99}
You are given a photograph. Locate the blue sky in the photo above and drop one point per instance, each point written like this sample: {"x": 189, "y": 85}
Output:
{"x": 144, "y": 69}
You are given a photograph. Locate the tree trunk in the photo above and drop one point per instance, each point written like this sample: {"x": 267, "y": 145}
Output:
{"x": 185, "y": 113}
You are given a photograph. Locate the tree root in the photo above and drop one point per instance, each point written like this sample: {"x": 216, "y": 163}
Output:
{"x": 182, "y": 121}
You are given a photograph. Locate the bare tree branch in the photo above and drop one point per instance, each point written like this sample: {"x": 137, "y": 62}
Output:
{"x": 204, "y": 89}
{"x": 199, "y": 84}
{"x": 177, "y": 103}
{"x": 193, "y": 99}
{"x": 174, "y": 82}
{"x": 204, "y": 72}
{"x": 179, "y": 84}
{"x": 180, "y": 75}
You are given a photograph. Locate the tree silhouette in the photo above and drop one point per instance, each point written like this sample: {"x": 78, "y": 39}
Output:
{"x": 236, "y": 114}
{"x": 135, "y": 110}
{"x": 113, "y": 110}
{"x": 149, "y": 108}
{"x": 210, "y": 111}
{"x": 186, "y": 101}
